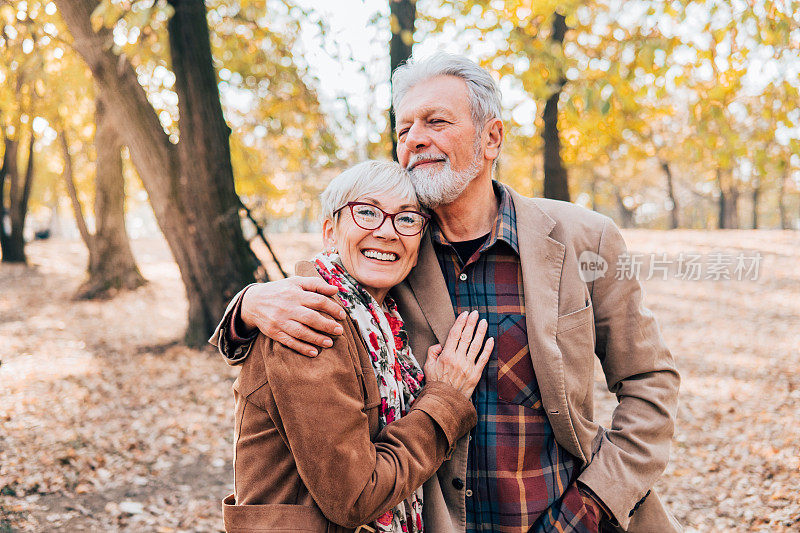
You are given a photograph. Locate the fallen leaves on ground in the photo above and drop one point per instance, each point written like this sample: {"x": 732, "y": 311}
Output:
{"x": 109, "y": 424}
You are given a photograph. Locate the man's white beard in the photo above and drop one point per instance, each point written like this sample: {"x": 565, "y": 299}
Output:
{"x": 439, "y": 187}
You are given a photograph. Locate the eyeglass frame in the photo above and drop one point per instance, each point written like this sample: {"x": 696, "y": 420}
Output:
{"x": 425, "y": 217}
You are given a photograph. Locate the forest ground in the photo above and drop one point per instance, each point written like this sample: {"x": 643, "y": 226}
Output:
{"x": 109, "y": 424}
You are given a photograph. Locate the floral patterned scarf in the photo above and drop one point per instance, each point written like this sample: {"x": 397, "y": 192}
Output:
{"x": 400, "y": 378}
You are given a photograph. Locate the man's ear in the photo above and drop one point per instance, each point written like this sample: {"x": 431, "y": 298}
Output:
{"x": 328, "y": 238}
{"x": 495, "y": 134}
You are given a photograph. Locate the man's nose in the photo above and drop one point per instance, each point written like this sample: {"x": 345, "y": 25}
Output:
{"x": 416, "y": 138}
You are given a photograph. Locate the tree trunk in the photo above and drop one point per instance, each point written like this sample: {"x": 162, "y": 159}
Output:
{"x": 722, "y": 214}
{"x": 9, "y": 167}
{"x": 782, "y": 213}
{"x": 732, "y": 210}
{"x": 756, "y": 196}
{"x": 555, "y": 175}
{"x": 728, "y": 201}
{"x": 222, "y": 261}
{"x": 593, "y": 191}
{"x": 19, "y": 194}
{"x": 111, "y": 263}
{"x": 626, "y": 214}
{"x": 671, "y": 194}
{"x": 190, "y": 185}
{"x": 403, "y": 14}
{"x": 72, "y": 192}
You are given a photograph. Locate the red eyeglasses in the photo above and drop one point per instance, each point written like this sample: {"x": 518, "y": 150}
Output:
{"x": 371, "y": 217}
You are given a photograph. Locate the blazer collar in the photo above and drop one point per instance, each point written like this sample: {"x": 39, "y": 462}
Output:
{"x": 430, "y": 290}
{"x": 542, "y": 259}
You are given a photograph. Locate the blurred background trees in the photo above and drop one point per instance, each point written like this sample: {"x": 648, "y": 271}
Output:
{"x": 165, "y": 115}
{"x": 189, "y": 180}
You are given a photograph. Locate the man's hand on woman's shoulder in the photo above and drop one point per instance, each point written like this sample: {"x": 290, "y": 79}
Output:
{"x": 295, "y": 312}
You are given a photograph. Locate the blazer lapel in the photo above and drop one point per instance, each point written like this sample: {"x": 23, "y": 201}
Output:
{"x": 542, "y": 258}
{"x": 430, "y": 290}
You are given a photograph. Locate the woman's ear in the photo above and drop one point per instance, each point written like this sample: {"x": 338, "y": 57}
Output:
{"x": 328, "y": 237}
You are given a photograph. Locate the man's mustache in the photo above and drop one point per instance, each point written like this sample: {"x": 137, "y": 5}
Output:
{"x": 422, "y": 158}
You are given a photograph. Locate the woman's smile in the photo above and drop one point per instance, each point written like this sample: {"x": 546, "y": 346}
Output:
{"x": 377, "y": 255}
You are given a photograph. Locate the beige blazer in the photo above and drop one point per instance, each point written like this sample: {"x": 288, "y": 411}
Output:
{"x": 570, "y": 322}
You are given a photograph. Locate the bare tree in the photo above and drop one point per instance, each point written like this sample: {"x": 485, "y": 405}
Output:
{"x": 403, "y": 14}
{"x": 190, "y": 184}
{"x": 674, "y": 221}
{"x": 555, "y": 175}
{"x": 12, "y": 241}
{"x": 111, "y": 262}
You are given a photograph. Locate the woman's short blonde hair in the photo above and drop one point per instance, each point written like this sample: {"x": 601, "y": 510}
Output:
{"x": 365, "y": 179}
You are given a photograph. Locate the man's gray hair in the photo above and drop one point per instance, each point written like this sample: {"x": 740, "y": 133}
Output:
{"x": 367, "y": 179}
{"x": 484, "y": 95}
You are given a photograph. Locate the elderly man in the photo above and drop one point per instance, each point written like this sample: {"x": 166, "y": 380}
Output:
{"x": 536, "y": 461}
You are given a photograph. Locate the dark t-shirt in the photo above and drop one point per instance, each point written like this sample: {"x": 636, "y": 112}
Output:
{"x": 465, "y": 249}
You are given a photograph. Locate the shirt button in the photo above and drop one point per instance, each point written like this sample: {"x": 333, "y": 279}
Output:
{"x": 468, "y": 493}
{"x": 463, "y": 276}
{"x": 458, "y": 484}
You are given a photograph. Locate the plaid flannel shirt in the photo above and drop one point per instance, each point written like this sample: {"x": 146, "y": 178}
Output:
{"x": 518, "y": 477}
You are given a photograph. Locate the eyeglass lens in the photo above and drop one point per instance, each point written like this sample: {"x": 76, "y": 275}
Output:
{"x": 405, "y": 222}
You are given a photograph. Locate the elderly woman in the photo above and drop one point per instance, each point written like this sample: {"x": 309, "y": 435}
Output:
{"x": 345, "y": 439}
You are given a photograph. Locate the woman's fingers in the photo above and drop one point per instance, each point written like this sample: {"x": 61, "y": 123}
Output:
{"x": 477, "y": 341}
{"x": 466, "y": 333}
{"x": 483, "y": 359}
{"x": 477, "y": 370}
{"x": 430, "y": 363}
{"x": 454, "y": 336}
{"x": 461, "y": 360}
{"x": 434, "y": 351}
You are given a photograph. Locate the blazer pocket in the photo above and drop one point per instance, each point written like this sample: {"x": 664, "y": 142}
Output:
{"x": 574, "y": 319}
{"x": 275, "y": 517}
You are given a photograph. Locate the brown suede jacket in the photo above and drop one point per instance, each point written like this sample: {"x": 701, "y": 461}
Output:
{"x": 308, "y": 453}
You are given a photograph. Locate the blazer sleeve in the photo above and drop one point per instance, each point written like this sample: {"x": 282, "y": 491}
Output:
{"x": 320, "y": 403}
{"x": 231, "y": 344}
{"x": 640, "y": 370}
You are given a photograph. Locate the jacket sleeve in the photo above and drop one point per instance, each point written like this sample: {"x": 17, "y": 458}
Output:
{"x": 233, "y": 345}
{"x": 640, "y": 370}
{"x": 320, "y": 403}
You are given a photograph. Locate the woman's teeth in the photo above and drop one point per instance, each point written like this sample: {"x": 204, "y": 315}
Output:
{"x": 380, "y": 256}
